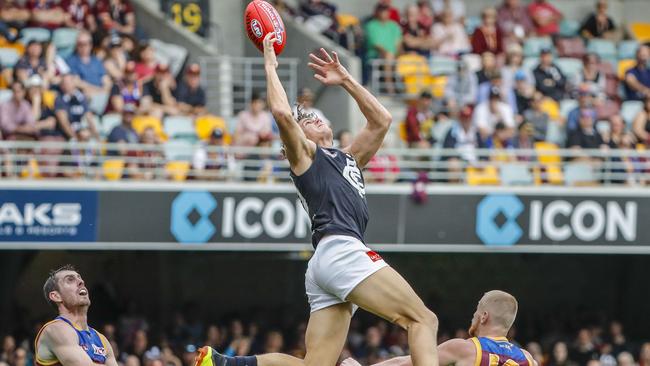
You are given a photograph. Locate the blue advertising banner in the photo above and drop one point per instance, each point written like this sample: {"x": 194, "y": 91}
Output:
{"x": 41, "y": 216}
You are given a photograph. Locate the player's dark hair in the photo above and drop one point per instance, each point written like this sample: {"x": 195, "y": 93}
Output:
{"x": 51, "y": 283}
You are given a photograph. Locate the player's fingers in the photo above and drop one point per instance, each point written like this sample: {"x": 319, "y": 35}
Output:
{"x": 319, "y": 78}
{"x": 317, "y": 60}
{"x": 316, "y": 67}
{"x": 336, "y": 57}
{"x": 326, "y": 55}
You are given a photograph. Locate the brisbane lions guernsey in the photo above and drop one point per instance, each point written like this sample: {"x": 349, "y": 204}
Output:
{"x": 89, "y": 340}
{"x": 499, "y": 352}
{"x": 332, "y": 191}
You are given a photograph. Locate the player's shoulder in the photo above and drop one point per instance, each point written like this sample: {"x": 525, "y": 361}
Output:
{"x": 529, "y": 357}
{"x": 57, "y": 330}
{"x": 460, "y": 346}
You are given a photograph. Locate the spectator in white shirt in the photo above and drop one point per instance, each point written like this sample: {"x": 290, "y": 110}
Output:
{"x": 491, "y": 112}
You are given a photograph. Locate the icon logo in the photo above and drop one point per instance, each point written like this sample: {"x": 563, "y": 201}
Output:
{"x": 489, "y": 209}
{"x": 201, "y": 202}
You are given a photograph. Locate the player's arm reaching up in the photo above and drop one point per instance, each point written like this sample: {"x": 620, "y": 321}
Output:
{"x": 329, "y": 71}
{"x": 60, "y": 340}
{"x": 299, "y": 150}
{"x": 460, "y": 352}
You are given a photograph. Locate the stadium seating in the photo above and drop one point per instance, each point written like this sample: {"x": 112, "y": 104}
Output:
{"x": 98, "y": 102}
{"x": 178, "y": 150}
{"x": 113, "y": 169}
{"x": 512, "y": 174}
{"x": 607, "y": 109}
{"x": 571, "y": 47}
{"x": 441, "y": 65}
{"x": 605, "y": 49}
{"x": 64, "y": 39}
{"x": 8, "y": 57}
{"x": 629, "y": 110}
{"x": 180, "y": 127}
{"x": 627, "y": 49}
{"x": 550, "y": 159}
{"x": 5, "y": 95}
{"x": 569, "y": 27}
{"x": 623, "y": 66}
{"x": 534, "y": 45}
{"x": 488, "y": 175}
{"x": 570, "y": 67}
{"x": 109, "y": 121}
{"x": 552, "y": 108}
{"x": 347, "y": 20}
{"x": 640, "y": 31}
{"x": 205, "y": 124}
{"x": 140, "y": 123}
{"x": 412, "y": 64}
{"x": 471, "y": 23}
{"x": 577, "y": 173}
{"x": 566, "y": 106}
{"x": 177, "y": 170}
{"x": 34, "y": 34}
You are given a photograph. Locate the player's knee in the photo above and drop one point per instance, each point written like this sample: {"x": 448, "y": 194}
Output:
{"x": 428, "y": 318}
{"x": 422, "y": 317}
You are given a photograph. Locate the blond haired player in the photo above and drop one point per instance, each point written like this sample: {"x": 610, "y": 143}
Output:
{"x": 343, "y": 271}
{"x": 493, "y": 318}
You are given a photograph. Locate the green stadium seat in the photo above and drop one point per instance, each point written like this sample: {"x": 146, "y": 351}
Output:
{"x": 440, "y": 65}
{"x": 98, "y": 103}
{"x": 178, "y": 150}
{"x": 179, "y": 127}
{"x": 34, "y": 34}
{"x": 627, "y": 49}
{"x": 604, "y": 48}
{"x": 65, "y": 39}
{"x": 471, "y": 23}
{"x": 569, "y": 27}
{"x": 109, "y": 121}
{"x": 513, "y": 174}
{"x": 556, "y": 134}
{"x": 629, "y": 110}
{"x": 5, "y": 95}
{"x": 579, "y": 174}
{"x": 8, "y": 57}
{"x": 570, "y": 67}
{"x": 534, "y": 45}
{"x": 530, "y": 63}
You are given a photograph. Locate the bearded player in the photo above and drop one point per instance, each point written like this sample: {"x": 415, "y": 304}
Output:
{"x": 342, "y": 271}
{"x": 493, "y": 318}
{"x": 68, "y": 340}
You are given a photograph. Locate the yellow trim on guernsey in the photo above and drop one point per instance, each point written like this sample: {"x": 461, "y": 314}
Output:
{"x": 479, "y": 351}
{"x": 38, "y": 336}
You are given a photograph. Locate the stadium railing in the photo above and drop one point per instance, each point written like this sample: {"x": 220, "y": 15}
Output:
{"x": 231, "y": 81}
{"x": 541, "y": 165}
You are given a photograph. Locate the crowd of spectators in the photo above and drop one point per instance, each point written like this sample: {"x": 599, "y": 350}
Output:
{"x": 136, "y": 343}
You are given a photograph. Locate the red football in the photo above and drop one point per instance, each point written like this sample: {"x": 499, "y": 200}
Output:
{"x": 260, "y": 19}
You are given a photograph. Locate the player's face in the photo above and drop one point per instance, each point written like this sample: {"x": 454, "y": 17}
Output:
{"x": 316, "y": 130}
{"x": 72, "y": 289}
{"x": 476, "y": 321}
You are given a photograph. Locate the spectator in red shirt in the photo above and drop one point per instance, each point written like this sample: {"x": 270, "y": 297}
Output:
{"x": 117, "y": 15}
{"x": 46, "y": 14}
{"x": 545, "y": 17}
{"x": 415, "y": 117}
{"x": 382, "y": 168}
{"x": 145, "y": 66}
{"x": 514, "y": 21}
{"x": 488, "y": 37}
{"x": 80, "y": 15}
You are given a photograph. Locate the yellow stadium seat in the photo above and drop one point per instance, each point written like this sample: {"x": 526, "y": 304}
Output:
{"x": 141, "y": 123}
{"x": 177, "y": 170}
{"x": 488, "y": 175}
{"x": 31, "y": 171}
{"x": 640, "y": 31}
{"x": 49, "y": 96}
{"x": 640, "y": 147}
{"x": 113, "y": 169}
{"x": 438, "y": 85}
{"x": 205, "y": 124}
{"x": 623, "y": 66}
{"x": 402, "y": 131}
{"x": 19, "y": 47}
{"x": 347, "y": 20}
{"x": 412, "y": 64}
{"x": 414, "y": 84}
{"x": 550, "y": 160}
{"x": 552, "y": 108}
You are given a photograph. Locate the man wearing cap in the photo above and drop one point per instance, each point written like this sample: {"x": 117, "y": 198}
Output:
{"x": 208, "y": 161}
{"x": 491, "y": 112}
{"x": 157, "y": 93}
{"x": 92, "y": 75}
{"x": 189, "y": 94}
{"x": 585, "y": 136}
{"x": 124, "y": 132}
{"x": 549, "y": 79}
{"x": 585, "y": 103}
{"x": 32, "y": 62}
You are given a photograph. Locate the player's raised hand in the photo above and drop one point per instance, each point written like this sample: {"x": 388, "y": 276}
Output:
{"x": 350, "y": 362}
{"x": 269, "y": 52}
{"x": 328, "y": 69}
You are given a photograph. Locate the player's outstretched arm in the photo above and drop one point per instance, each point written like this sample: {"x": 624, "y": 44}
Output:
{"x": 329, "y": 71}
{"x": 299, "y": 150}
{"x": 449, "y": 353}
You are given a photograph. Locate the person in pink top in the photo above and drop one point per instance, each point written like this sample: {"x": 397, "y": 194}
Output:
{"x": 17, "y": 121}
{"x": 253, "y": 123}
{"x": 545, "y": 16}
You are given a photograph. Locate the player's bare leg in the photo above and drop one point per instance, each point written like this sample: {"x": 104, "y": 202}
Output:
{"x": 387, "y": 294}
